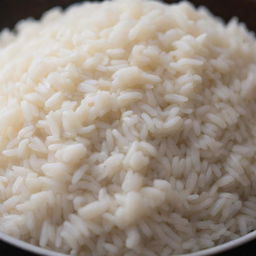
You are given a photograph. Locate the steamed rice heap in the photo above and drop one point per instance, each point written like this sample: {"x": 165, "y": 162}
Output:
{"x": 127, "y": 128}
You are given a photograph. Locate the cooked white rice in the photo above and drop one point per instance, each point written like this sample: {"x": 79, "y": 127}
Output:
{"x": 127, "y": 128}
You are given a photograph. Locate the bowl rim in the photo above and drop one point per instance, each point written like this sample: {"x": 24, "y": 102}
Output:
{"x": 211, "y": 251}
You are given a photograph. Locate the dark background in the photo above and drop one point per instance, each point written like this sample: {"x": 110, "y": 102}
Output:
{"x": 12, "y": 11}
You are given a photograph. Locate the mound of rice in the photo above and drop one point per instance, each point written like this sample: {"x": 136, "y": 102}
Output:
{"x": 127, "y": 128}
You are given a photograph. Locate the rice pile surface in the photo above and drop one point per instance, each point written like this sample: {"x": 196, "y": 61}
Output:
{"x": 127, "y": 128}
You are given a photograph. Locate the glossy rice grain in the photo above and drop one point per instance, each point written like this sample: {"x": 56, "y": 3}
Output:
{"x": 127, "y": 128}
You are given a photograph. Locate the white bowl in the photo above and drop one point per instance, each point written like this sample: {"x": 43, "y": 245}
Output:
{"x": 211, "y": 251}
